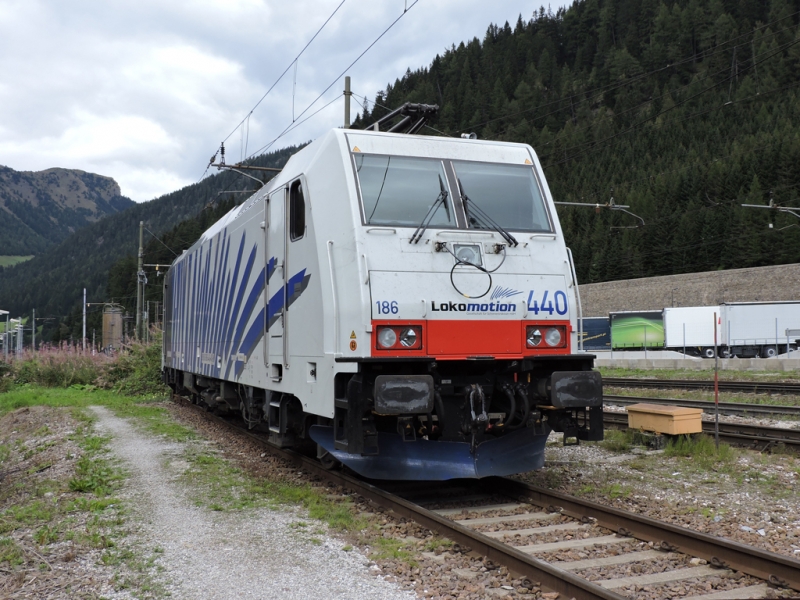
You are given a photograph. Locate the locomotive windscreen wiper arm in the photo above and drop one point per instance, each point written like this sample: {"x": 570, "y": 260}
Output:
{"x": 426, "y": 220}
{"x": 481, "y": 219}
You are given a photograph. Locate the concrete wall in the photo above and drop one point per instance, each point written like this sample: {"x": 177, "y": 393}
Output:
{"x": 725, "y": 364}
{"x": 764, "y": 284}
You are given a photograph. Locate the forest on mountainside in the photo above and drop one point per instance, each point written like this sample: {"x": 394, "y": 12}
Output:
{"x": 121, "y": 281}
{"x": 53, "y": 282}
{"x": 682, "y": 110}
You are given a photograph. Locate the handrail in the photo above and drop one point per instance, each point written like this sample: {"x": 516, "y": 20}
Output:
{"x": 577, "y": 298}
{"x": 334, "y": 303}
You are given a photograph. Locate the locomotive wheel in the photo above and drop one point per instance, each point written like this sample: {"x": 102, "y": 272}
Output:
{"x": 329, "y": 462}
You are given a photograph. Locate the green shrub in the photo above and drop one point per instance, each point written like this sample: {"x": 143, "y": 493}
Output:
{"x": 136, "y": 370}
{"x": 52, "y": 367}
{"x": 701, "y": 449}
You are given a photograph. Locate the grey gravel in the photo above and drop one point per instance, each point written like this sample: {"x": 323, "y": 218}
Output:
{"x": 228, "y": 555}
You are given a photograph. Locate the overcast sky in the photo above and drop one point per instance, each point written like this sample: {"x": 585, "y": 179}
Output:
{"x": 145, "y": 91}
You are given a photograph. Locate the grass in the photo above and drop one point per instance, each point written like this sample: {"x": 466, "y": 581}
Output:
{"x": 155, "y": 420}
{"x": 760, "y": 399}
{"x": 223, "y": 487}
{"x": 701, "y": 451}
{"x": 80, "y": 509}
{"x": 77, "y": 396}
{"x": 760, "y": 376}
{"x": 392, "y": 548}
{"x": 616, "y": 490}
{"x": 617, "y": 440}
{"x": 8, "y": 260}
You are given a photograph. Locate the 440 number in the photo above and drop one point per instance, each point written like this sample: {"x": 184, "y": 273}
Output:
{"x": 557, "y": 304}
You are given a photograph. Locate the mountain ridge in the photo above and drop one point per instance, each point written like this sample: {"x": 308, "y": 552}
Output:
{"x": 53, "y": 282}
{"x": 42, "y": 208}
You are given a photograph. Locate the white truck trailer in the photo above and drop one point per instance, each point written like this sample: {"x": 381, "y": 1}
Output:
{"x": 765, "y": 329}
{"x": 744, "y": 329}
{"x": 691, "y": 328}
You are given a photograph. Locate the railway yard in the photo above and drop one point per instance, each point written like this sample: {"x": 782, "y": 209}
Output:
{"x": 601, "y": 520}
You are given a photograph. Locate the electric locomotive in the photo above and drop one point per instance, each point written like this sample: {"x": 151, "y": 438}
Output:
{"x": 406, "y": 304}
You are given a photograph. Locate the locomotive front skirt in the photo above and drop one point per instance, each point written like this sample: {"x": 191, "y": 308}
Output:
{"x": 403, "y": 305}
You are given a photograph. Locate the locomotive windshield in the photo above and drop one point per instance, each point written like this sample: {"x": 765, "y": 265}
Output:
{"x": 398, "y": 190}
{"x": 509, "y": 194}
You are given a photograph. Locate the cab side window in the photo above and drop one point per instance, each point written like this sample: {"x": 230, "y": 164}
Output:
{"x": 297, "y": 212}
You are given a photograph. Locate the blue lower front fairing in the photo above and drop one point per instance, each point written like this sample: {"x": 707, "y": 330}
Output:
{"x": 514, "y": 452}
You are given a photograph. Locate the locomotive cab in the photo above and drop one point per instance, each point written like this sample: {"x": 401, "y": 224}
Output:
{"x": 408, "y": 303}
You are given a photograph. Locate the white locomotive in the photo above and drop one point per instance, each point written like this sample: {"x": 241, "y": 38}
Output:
{"x": 405, "y": 303}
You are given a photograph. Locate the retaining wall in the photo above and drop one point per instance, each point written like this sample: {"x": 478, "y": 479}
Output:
{"x": 757, "y": 284}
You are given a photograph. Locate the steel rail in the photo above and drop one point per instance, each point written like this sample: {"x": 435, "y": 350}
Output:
{"x": 749, "y": 387}
{"x": 774, "y": 568}
{"x": 729, "y": 408}
{"x": 736, "y": 433}
{"x": 528, "y": 566}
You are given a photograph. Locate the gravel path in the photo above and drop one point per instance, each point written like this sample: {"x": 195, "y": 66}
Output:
{"x": 228, "y": 555}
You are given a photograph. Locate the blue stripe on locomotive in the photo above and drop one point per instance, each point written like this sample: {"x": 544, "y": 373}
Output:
{"x": 212, "y": 306}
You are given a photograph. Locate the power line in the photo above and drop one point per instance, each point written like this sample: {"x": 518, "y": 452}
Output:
{"x": 286, "y": 70}
{"x": 337, "y": 78}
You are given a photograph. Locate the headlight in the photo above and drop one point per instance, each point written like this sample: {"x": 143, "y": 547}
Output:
{"x": 534, "y": 336}
{"x": 398, "y": 337}
{"x": 408, "y": 337}
{"x": 552, "y": 337}
{"x": 387, "y": 337}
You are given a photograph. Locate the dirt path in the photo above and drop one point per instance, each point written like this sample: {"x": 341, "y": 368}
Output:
{"x": 227, "y": 555}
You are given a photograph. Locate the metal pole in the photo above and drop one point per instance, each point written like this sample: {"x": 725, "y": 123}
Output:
{"x": 728, "y": 341}
{"x": 716, "y": 386}
{"x": 33, "y": 331}
{"x": 139, "y": 286}
{"x": 347, "y": 94}
{"x": 645, "y": 342}
{"x": 684, "y": 340}
{"x": 776, "y": 337}
{"x": 83, "y": 338}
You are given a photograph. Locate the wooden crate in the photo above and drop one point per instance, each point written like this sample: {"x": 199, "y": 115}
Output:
{"x": 669, "y": 420}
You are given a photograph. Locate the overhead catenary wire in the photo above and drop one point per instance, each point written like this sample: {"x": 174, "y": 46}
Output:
{"x": 286, "y": 70}
{"x": 338, "y": 77}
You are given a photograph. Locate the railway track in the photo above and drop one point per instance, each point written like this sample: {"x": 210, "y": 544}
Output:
{"x": 522, "y": 513}
{"x": 725, "y": 408}
{"x": 739, "y": 434}
{"x": 748, "y": 387}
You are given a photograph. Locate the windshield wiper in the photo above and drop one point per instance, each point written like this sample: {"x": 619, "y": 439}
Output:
{"x": 480, "y": 219}
{"x": 426, "y": 220}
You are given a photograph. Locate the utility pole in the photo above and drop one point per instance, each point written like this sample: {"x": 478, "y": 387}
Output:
{"x": 347, "y": 94}
{"x": 83, "y": 338}
{"x": 139, "y": 283}
{"x": 5, "y": 336}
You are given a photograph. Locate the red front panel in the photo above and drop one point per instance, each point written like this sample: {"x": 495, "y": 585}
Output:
{"x": 456, "y": 339}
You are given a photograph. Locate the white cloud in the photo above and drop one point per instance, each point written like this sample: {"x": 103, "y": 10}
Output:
{"x": 145, "y": 91}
